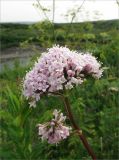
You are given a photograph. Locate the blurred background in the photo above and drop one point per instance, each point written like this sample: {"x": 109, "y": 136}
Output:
{"x": 28, "y": 28}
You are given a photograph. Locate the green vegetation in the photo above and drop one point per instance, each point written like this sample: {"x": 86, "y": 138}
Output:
{"x": 44, "y": 34}
{"x": 94, "y": 104}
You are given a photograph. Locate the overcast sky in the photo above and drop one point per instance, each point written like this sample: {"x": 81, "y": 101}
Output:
{"x": 24, "y": 11}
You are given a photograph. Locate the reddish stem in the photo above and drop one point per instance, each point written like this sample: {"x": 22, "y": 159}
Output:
{"x": 77, "y": 128}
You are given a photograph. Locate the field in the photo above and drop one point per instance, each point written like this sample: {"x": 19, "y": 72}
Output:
{"x": 94, "y": 104}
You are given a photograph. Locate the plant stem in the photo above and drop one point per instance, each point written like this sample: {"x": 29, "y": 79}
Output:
{"x": 77, "y": 128}
{"x": 53, "y": 21}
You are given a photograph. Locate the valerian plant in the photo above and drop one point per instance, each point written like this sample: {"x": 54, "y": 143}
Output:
{"x": 55, "y": 73}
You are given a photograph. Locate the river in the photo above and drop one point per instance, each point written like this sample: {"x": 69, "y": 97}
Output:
{"x": 9, "y": 56}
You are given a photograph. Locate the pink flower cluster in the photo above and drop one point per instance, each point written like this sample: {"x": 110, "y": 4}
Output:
{"x": 54, "y": 131}
{"x": 57, "y": 69}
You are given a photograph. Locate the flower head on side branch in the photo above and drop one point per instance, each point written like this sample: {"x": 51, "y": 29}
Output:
{"x": 54, "y": 131}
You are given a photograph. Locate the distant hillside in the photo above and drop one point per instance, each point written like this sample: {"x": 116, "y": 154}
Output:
{"x": 99, "y": 25}
{"x": 12, "y": 34}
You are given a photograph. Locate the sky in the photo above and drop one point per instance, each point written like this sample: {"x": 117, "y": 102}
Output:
{"x": 25, "y": 11}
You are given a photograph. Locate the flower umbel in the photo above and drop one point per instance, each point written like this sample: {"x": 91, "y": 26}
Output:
{"x": 54, "y": 131}
{"x": 57, "y": 69}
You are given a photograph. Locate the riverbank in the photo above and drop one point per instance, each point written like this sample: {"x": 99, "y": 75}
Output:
{"x": 10, "y": 55}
